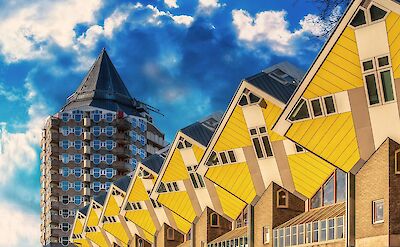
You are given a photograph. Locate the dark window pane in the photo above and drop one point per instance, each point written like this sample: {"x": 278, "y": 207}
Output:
{"x": 316, "y": 107}
{"x": 257, "y": 147}
{"x": 180, "y": 145}
{"x": 300, "y": 111}
{"x": 169, "y": 187}
{"x": 376, "y": 13}
{"x": 201, "y": 181}
{"x": 161, "y": 188}
{"x": 188, "y": 144}
{"x": 340, "y": 186}
{"x": 175, "y": 186}
{"x": 387, "y": 85}
{"x": 262, "y": 130}
{"x": 267, "y": 146}
{"x": 223, "y": 158}
{"x": 372, "y": 90}
{"x": 253, "y": 131}
{"x": 316, "y": 200}
{"x": 299, "y": 148}
{"x": 282, "y": 198}
{"x": 367, "y": 65}
{"x": 213, "y": 160}
{"x": 232, "y": 156}
{"x": 359, "y": 19}
{"x": 193, "y": 178}
{"x": 328, "y": 192}
{"x": 383, "y": 61}
{"x": 243, "y": 101}
{"x": 253, "y": 98}
{"x": 329, "y": 105}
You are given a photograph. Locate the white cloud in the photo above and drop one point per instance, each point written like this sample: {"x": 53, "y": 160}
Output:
{"x": 270, "y": 28}
{"x": 18, "y": 149}
{"x": 183, "y": 19}
{"x": 18, "y": 227}
{"x": 171, "y": 3}
{"x": 209, "y": 5}
{"x": 30, "y": 28}
{"x": 9, "y": 94}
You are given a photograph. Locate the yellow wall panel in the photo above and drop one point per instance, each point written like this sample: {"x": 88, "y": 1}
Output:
{"x": 231, "y": 205}
{"x": 138, "y": 192}
{"x": 181, "y": 223}
{"x": 143, "y": 219}
{"x": 271, "y": 114}
{"x": 309, "y": 172}
{"x": 393, "y": 28}
{"x": 78, "y": 227}
{"x": 97, "y": 238}
{"x": 176, "y": 169}
{"x": 112, "y": 207}
{"x": 180, "y": 203}
{"x": 198, "y": 152}
{"x": 333, "y": 138}
{"x": 93, "y": 218}
{"x": 340, "y": 71}
{"x": 82, "y": 242}
{"x": 235, "y": 133}
{"x": 235, "y": 178}
{"x": 117, "y": 230}
{"x": 148, "y": 237}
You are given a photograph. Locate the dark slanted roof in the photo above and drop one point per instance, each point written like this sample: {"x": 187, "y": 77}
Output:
{"x": 123, "y": 183}
{"x": 101, "y": 198}
{"x": 198, "y": 132}
{"x": 279, "y": 81}
{"x": 235, "y": 233}
{"x": 84, "y": 210}
{"x": 102, "y": 87}
{"x": 322, "y": 213}
{"x": 154, "y": 162}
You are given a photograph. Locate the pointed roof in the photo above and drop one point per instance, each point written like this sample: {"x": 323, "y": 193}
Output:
{"x": 102, "y": 87}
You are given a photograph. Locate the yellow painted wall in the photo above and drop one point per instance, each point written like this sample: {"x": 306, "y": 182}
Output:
{"x": 78, "y": 227}
{"x": 138, "y": 192}
{"x": 82, "y": 242}
{"x": 231, "y": 205}
{"x": 333, "y": 138}
{"x": 309, "y": 172}
{"x": 117, "y": 230}
{"x": 271, "y": 114}
{"x": 97, "y": 238}
{"x": 198, "y": 152}
{"x": 393, "y": 29}
{"x": 93, "y": 219}
{"x": 176, "y": 169}
{"x": 180, "y": 203}
{"x": 142, "y": 218}
{"x": 235, "y": 178}
{"x": 181, "y": 223}
{"x": 340, "y": 71}
{"x": 112, "y": 207}
{"x": 235, "y": 134}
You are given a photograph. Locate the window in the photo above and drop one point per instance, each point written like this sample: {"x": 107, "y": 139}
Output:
{"x": 339, "y": 227}
{"x": 65, "y": 200}
{"x": 96, "y": 186}
{"x": 316, "y": 200}
{"x": 315, "y": 232}
{"x": 78, "y": 200}
{"x": 65, "y": 171}
{"x": 294, "y": 235}
{"x": 64, "y": 185}
{"x": 377, "y": 211}
{"x": 65, "y": 158}
{"x": 265, "y": 234}
{"x": 378, "y": 80}
{"x": 109, "y": 159}
{"x": 333, "y": 191}
{"x": 78, "y": 172}
{"x": 328, "y": 192}
{"x": 227, "y": 157}
{"x": 65, "y": 117}
{"x": 78, "y": 158}
{"x": 214, "y": 219}
{"x": 322, "y": 235}
{"x": 170, "y": 234}
{"x": 316, "y": 107}
{"x": 64, "y": 144}
{"x": 248, "y": 98}
{"x": 300, "y": 229}
{"x": 287, "y": 236}
{"x": 109, "y": 117}
{"x": 213, "y": 159}
{"x": 77, "y": 185}
{"x": 331, "y": 229}
{"x": 78, "y": 131}
{"x": 300, "y": 111}
{"x": 96, "y": 144}
{"x": 376, "y": 13}
{"x": 299, "y": 149}
{"x": 155, "y": 203}
{"x": 96, "y": 159}
{"x": 65, "y": 213}
{"x": 109, "y": 172}
{"x": 109, "y": 130}
{"x": 64, "y": 241}
{"x": 359, "y": 19}
{"x": 96, "y": 130}
{"x": 109, "y": 144}
{"x": 308, "y": 233}
{"x": 397, "y": 161}
{"x": 281, "y": 237}
{"x": 261, "y": 142}
{"x": 78, "y": 144}
{"x": 197, "y": 179}
{"x": 65, "y": 226}
{"x": 96, "y": 116}
{"x": 282, "y": 199}
{"x": 340, "y": 186}
{"x": 329, "y": 105}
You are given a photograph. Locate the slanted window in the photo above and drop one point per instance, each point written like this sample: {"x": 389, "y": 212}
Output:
{"x": 377, "y": 211}
{"x": 315, "y": 236}
{"x": 213, "y": 159}
{"x": 329, "y": 105}
{"x": 299, "y": 149}
{"x": 265, "y": 232}
{"x": 329, "y": 197}
{"x": 227, "y": 157}
{"x": 249, "y": 98}
{"x": 300, "y": 111}
{"x": 282, "y": 198}
{"x": 214, "y": 219}
{"x": 170, "y": 234}
{"x": 261, "y": 144}
{"x": 316, "y": 200}
{"x": 359, "y": 19}
{"x": 183, "y": 143}
{"x": 197, "y": 179}
{"x": 316, "y": 107}
{"x": 376, "y": 13}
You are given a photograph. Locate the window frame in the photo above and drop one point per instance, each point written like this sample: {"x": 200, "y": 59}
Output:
{"x": 213, "y": 214}
{"x": 325, "y": 109}
{"x": 312, "y": 109}
{"x": 368, "y": 13}
{"x": 278, "y": 197}
{"x": 294, "y": 108}
{"x": 258, "y": 135}
{"x": 396, "y": 162}
{"x": 374, "y": 212}
{"x": 170, "y": 234}
{"x": 266, "y": 234}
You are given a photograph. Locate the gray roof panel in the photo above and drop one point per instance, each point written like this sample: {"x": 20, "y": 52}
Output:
{"x": 154, "y": 162}
{"x": 123, "y": 183}
{"x": 198, "y": 132}
{"x": 100, "y": 198}
{"x": 84, "y": 210}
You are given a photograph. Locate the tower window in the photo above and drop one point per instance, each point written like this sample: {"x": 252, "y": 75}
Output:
{"x": 170, "y": 234}
{"x": 377, "y": 211}
{"x": 282, "y": 198}
{"x": 359, "y": 19}
{"x": 376, "y": 13}
{"x": 214, "y": 219}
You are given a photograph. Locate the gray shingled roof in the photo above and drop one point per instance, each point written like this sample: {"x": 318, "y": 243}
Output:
{"x": 123, "y": 183}
{"x": 101, "y": 198}
{"x": 280, "y": 90}
{"x": 154, "y": 162}
{"x": 198, "y": 132}
{"x": 84, "y": 210}
{"x": 102, "y": 87}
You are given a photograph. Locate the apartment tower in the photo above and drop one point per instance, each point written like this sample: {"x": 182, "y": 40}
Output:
{"x": 97, "y": 137}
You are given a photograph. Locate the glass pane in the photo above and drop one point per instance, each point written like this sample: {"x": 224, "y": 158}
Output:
{"x": 201, "y": 180}
{"x": 322, "y": 236}
{"x": 300, "y": 111}
{"x": 372, "y": 90}
{"x": 316, "y": 107}
{"x": 253, "y": 98}
{"x": 299, "y": 148}
{"x": 294, "y": 235}
{"x": 301, "y": 234}
{"x": 329, "y": 105}
{"x": 267, "y": 146}
{"x": 367, "y": 65}
{"x": 378, "y": 211}
{"x": 316, "y": 200}
{"x": 223, "y": 158}
{"x": 308, "y": 238}
{"x": 339, "y": 229}
{"x": 340, "y": 186}
{"x": 243, "y": 101}
{"x": 257, "y": 146}
{"x": 328, "y": 192}
{"x": 383, "y": 61}
{"x": 331, "y": 229}
{"x": 387, "y": 85}
{"x": 376, "y": 13}
{"x": 192, "y": 177}
{"x": 287, "y": 236}
{"x": 315, "y": 232}
{"x": 281, "y": 237}
{"x": 232, "y": 156}
{"x": 359, "y": 19}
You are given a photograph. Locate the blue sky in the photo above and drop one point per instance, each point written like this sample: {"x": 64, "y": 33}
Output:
{"x": 185, "y": 57}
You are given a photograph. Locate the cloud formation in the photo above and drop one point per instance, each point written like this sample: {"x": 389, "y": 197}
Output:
{"x": 171, "y": 3}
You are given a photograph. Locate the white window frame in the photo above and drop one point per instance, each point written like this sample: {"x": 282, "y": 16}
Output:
{"x": 325, "y": 110}
{"x": 266, "y": 234}
{"x": 308, "y": 109}
{"x": 312, "y": 109}
{"x": 260, "y": 135}
{"x": 368, "y": 14}
{"x": 374, "y": 203}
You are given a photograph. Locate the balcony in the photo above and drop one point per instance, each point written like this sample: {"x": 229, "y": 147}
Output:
{"x": 87, "y": 150}
{"x": 86, "y": 164}
{"x": 122, "y": 152}
{"x": 87, "y": 122}
{"x": 87, "y": 136}
{"x": 86, "y": 178}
